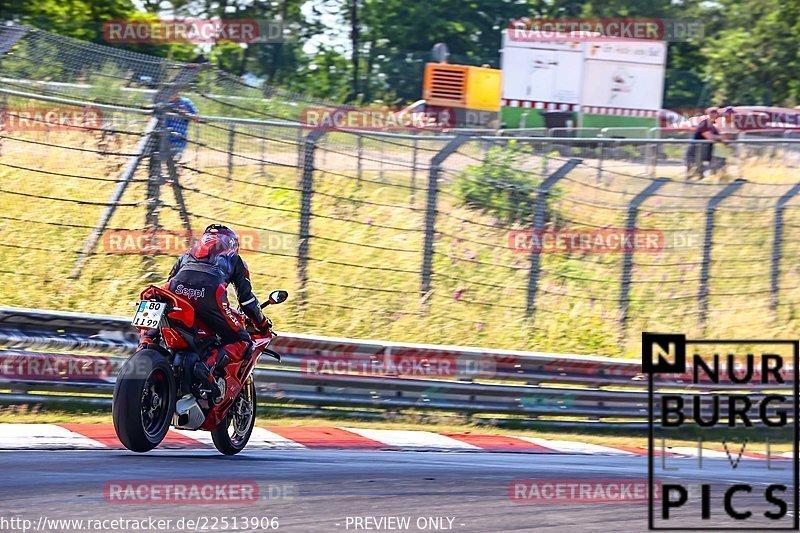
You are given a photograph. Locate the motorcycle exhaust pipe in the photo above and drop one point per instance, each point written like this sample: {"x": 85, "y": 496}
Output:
{"x": 188, "y": 414}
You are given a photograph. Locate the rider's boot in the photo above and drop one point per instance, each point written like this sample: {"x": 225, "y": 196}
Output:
{"x": 220, "y": 359}
{"x": 203, "y": 373}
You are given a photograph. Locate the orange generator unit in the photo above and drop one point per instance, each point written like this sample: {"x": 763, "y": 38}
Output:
{"x": 469, "y": 95}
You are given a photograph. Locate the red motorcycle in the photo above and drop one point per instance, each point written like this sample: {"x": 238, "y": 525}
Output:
{"x": 170, "y": 383}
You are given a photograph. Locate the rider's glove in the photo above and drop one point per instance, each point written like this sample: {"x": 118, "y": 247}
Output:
{"x": 265, "y": 326}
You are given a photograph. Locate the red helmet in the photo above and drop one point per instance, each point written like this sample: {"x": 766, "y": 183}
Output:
{"x": 216, "y": 240}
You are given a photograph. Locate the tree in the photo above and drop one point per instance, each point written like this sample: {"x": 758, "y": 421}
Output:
{"x": 753, "y": 60}
{"x": 376, "y": 49}
{"x": 81, "y": 19}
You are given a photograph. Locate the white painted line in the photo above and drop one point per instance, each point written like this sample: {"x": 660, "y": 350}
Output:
{"x": 42, "y": 436}
{"x": 260, "y": 439}
{"x": 568, "y": 446}
{"x": 692, "y": 451}
{"x": 266, "y": 439}
{"x": 412, "y": 439}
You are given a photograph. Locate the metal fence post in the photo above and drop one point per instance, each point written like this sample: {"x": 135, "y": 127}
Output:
{"x": 702, "y": 293}
{"x": 430, "y": 208}
{"x": 777, "y": 245}
{"x": 627, "y": 261}
{"x": 307, "y": 187}
{"x": 539, "y": 218}
{"x": 231, "y": 143}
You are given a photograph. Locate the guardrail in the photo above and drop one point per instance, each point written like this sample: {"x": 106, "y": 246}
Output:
{"x": 340, "y": 376}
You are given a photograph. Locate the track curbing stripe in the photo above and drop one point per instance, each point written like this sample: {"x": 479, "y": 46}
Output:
{"x": 326, "y": 438}
{"x": 499, "y": 443}
{"x": 265, "y": 439}
{"x": 405, "y": 439}
{"x": 103, "y": 434}
{"x": 43, "y": 436}
{"x": 76, "y": 436}
{"x": 568, "y": 446}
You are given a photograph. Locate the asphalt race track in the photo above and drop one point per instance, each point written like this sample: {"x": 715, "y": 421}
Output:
{"x": 330, "y": 490}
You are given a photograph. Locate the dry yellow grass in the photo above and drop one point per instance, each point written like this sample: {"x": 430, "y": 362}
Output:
{"x": 479, "y": 284}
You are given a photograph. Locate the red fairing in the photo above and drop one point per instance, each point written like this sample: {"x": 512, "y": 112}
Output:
{"x": 185, "y": 311}
{"x": 235, "y": 373}
{"x": 173, "y": 339}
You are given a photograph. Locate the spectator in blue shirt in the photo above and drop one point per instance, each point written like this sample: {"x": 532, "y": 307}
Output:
{"x": 179, "y": 125}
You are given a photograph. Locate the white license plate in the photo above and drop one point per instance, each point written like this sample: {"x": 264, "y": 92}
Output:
{"x": 149, "y": 314}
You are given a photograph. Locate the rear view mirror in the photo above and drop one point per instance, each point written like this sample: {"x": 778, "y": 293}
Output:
{"x": 276, "y": 297}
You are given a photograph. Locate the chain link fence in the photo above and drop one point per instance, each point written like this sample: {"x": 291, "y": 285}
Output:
{"x": 545, "y": 243}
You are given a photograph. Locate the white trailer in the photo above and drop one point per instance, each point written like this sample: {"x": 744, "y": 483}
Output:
{"x": 604, "y": 83}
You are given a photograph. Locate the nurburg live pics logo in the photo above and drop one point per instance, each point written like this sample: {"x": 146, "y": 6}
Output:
{"x": 735, "y": 398}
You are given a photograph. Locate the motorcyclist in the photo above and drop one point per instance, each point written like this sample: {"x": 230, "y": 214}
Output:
{"x": 201, "y": 275}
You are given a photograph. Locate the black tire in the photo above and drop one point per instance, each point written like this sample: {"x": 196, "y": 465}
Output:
{"x": 232, "y": 434}
{"x": 144, "y": 401}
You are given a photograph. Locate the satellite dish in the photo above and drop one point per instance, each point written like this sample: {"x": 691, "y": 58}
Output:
{"x": 440, "y": 53}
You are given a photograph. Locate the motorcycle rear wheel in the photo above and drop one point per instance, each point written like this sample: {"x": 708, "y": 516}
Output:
{"x": 233, "y": 432}
{"x": 144, "y": 401}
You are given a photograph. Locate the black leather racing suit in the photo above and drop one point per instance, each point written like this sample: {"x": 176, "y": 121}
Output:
{"x": 203, "y": 281}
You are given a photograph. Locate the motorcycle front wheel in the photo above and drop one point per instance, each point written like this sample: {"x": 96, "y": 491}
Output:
{"x": 144, "y": 401}
{"x": 231, "y": 435}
